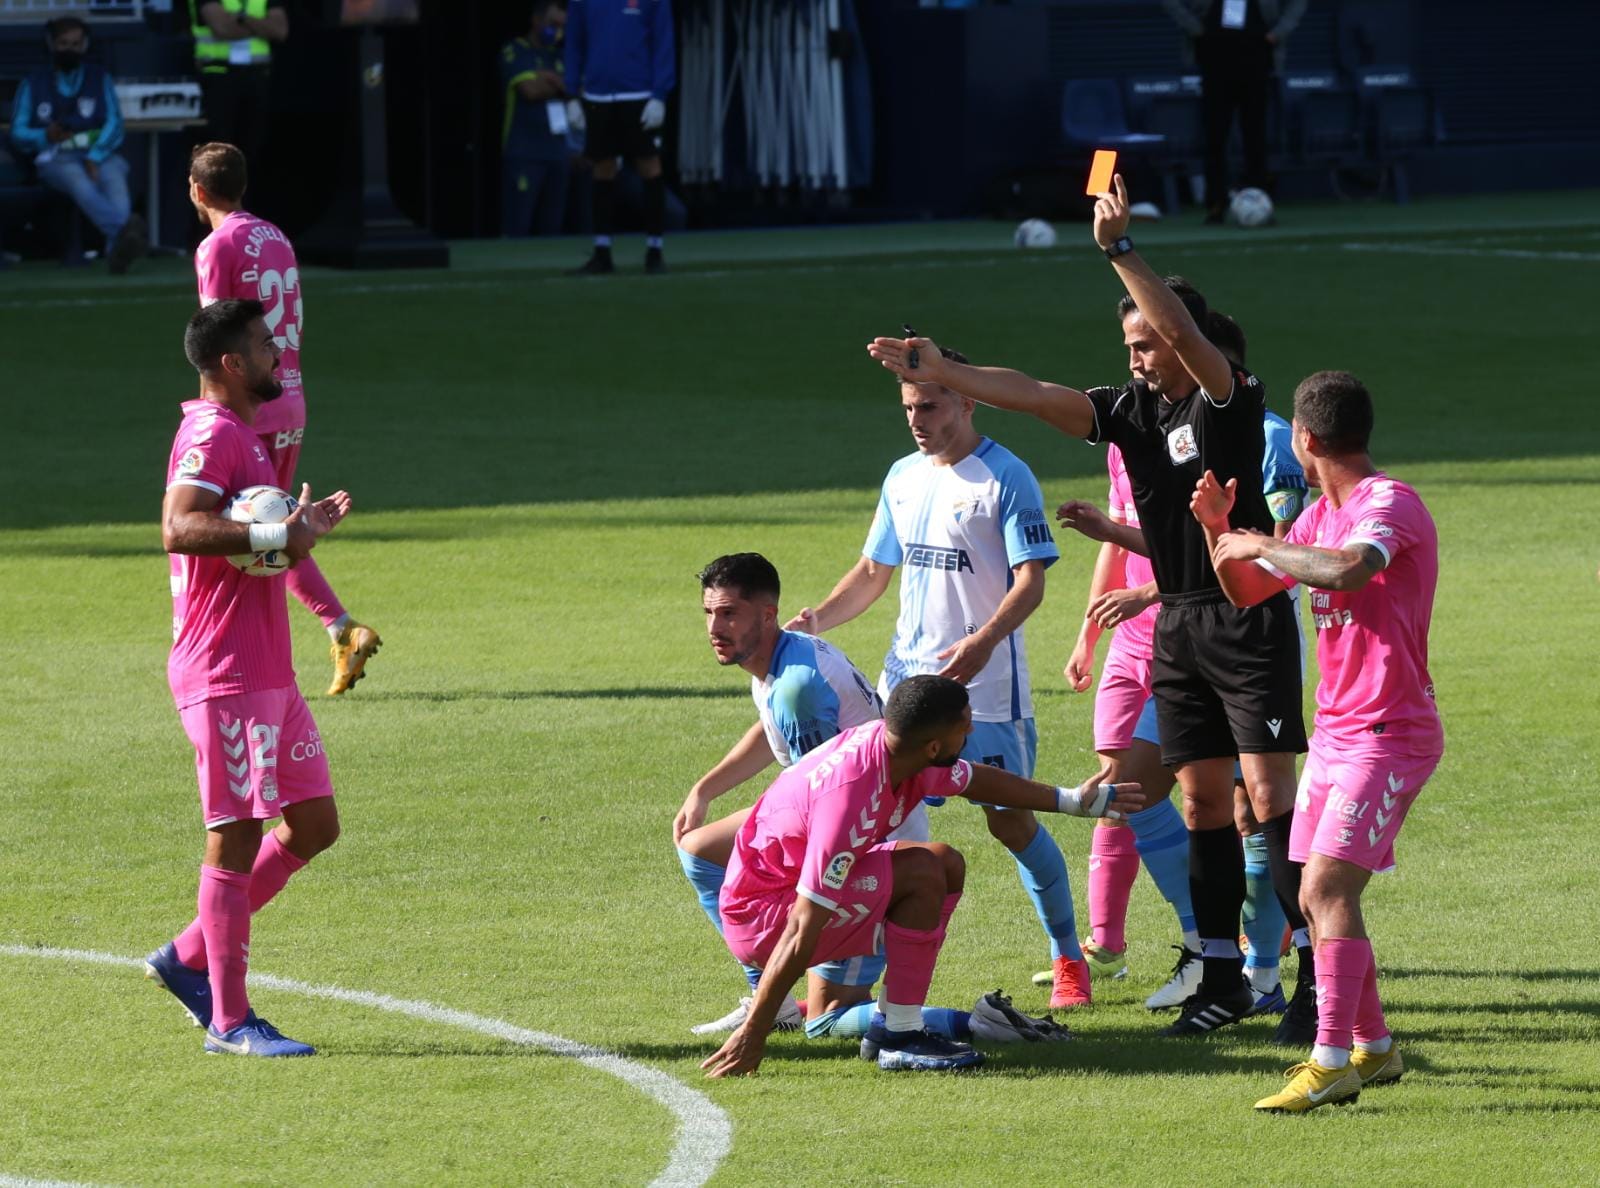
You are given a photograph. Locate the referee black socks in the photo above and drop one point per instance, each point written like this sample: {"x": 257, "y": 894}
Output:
{"x": 1216, "y": 887}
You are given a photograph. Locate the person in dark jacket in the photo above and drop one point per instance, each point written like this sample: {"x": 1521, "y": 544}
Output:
{"x": 67, "y": 119}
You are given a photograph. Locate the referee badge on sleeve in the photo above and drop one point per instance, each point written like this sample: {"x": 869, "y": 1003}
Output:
{"x": 1181, "y": 445}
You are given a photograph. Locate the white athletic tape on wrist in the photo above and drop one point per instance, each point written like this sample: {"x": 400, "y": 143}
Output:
{"x": 264, "y": 538}
{"x": 1092, "y": 802}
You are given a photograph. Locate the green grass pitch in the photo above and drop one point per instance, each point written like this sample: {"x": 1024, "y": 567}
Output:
{"x": 539, "y": 467}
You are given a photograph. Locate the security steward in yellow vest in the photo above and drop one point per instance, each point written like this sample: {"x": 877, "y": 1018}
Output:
{"x": 233, "y": 42}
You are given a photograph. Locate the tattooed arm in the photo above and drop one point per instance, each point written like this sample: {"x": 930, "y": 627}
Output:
{"x": 1234, "y": 555}
{"x": 1348, "y": 568}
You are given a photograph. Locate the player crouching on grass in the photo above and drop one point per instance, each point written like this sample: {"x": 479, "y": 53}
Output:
{"x": 812, "y": 879}
{"x": 1370, "y": 553}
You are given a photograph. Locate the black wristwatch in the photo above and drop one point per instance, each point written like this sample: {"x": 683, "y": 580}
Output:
{"x": 1121, "y": 248}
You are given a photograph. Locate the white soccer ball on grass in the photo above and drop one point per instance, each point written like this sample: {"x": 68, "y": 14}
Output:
{"x": 1251, "y": 208}
{"x": 1034, "y": 233}
{"x": 261, "y": 505}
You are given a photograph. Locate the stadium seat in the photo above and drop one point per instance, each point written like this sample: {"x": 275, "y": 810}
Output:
{"x": 1169, "y": 107}
{"x": 1327, "y": 116}
{"x": 1093, "y": 116}
{"x": 1400, "y": 119}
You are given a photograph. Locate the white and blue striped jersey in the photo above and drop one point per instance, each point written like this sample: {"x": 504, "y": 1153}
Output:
{"x": 811, "y": 692}
{"x": 956, "y": 532}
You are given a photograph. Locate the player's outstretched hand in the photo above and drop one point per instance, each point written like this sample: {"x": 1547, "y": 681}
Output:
{"x": 1083, "y": 516}
{"x": 1117, "y": 606}
{"x": 1212, "y": 501}
{"x": 965, "y": 659}
{"x": 1111, "y": 214}
{"x": 740, "y": 1056}
{"x": 1096, "y": 798}
{"x": 690, "y": 817}
{"x": 805, "y": 621}
{"x": 1242, "y": 544}
{"x": 915, "y": 360}
{"x": 1080, "y": 668}
{"x": 313, "y": 519}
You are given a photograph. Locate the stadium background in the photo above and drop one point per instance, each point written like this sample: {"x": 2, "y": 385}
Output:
{"x": 541, "y": 465}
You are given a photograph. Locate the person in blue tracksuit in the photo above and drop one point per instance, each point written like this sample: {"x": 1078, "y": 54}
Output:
{"x": 620, "y": 71}
{"x": 67, "y": 119}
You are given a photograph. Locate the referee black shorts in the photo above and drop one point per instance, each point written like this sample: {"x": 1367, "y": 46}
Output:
{"x": 1226, "y": 679}
{"x": 612, "y": 130}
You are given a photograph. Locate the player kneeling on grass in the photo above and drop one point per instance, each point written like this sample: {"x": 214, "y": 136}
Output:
{"x": 1370, "y": 553}
{"x": 812, "y": 880}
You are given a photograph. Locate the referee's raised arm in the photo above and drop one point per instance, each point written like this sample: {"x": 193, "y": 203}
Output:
{"x": 919, "y": 361}
{"x": 1161, "y": 308}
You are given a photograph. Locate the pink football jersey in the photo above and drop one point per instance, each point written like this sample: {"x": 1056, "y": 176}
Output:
{"x": 1372, "y": 643}
{"x": 818, "y": 817}
{"x": 249, "y": 258}
{"x": 1136, "y": 635}
{"x": 230, "y": 630}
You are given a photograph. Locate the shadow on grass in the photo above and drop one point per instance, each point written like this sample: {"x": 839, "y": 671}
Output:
{"x": 1114, "y": 1052}
{"x": 1589, "y": 977}
{"x": 624, "y": 694}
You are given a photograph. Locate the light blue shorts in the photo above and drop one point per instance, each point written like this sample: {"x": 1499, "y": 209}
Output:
{"x": 1146, "y": 731}
{"x": 1010, "y": 746}
{"x": 854, "y": 971}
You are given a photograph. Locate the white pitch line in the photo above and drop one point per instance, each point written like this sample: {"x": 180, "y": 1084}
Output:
{"x": 940, "y": 260}
{"x": 704, "y": 1134}
{"x": 1421, "y": 249}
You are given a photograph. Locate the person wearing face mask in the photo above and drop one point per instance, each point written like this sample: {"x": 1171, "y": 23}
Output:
{"x": 533, "y": 145}
{"x": 67, "y": 118}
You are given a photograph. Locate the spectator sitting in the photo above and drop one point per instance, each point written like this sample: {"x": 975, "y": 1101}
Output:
{"x": 67, "y": 118}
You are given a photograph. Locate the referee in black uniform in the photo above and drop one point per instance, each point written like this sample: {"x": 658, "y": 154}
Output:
{"x": 1226, "y": 680}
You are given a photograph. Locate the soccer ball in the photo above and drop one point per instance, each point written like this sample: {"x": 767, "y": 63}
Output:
{"x": 1034, "y": 233}
{"x": 1251, "y": 208}
{"x": 261, "y": 505}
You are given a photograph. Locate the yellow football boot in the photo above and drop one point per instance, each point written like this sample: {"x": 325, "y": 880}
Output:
{"x": 1378, "y": 1068}
{"x": 1311, "y": 1085}
{"x": 355, "y": 645}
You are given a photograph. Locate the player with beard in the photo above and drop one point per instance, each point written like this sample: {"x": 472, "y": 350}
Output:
{"x": 814, "y": 879}
{"x": 259, "y": 753}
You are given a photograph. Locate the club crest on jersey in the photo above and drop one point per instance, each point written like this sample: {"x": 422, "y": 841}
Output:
{"x": 85, "y": 106}
{"x": 964, "y": 509}
{"x": 192, "y": 463}
{"x": 45, "y": 109}
{"x": 897, "y": 816}
{"x": 1282, "y": 504}
{"x": 1181, "y": 445}
{"x": 838, "y": 870}
{"x": 260, "y": 454}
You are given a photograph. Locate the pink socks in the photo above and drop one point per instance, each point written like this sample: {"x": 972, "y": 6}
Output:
{"x": 273, "y": 867}
{"x": 911, "y": 953}
{"x": 1371, "y": 1027}
{"x": 1113, "y": 866}
{"x": 225, "y": 919}
{"x": 1344, "y": 969}
{"x": 308, "y": 585}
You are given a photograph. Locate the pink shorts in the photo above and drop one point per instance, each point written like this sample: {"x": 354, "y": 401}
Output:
{"x": 1351, "y": 804}
{"x": 856, "y": 929}
{"x": 1124, "y": 688}
{"x": 255, "y": 753}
